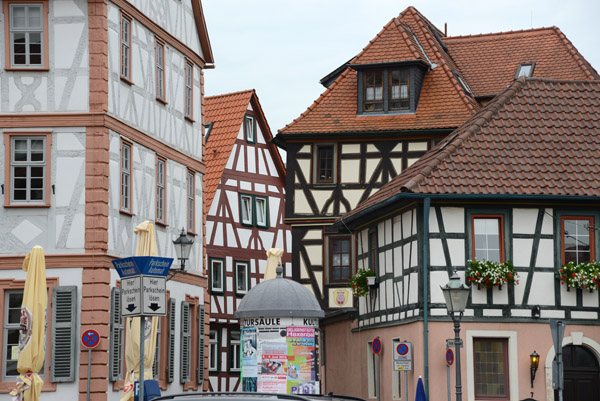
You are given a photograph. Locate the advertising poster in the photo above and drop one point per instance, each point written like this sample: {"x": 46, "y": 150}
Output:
{"x": 301, "y": 369}
{"x": 249, "y": 359}
{"x": 273, "y": 367}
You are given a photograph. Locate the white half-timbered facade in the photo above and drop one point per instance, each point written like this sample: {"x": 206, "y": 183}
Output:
{"x": 244, "y": 219}
{"x": 101, "y": 124}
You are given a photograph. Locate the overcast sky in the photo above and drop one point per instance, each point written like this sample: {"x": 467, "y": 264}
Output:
{"x": 282, "y": 48}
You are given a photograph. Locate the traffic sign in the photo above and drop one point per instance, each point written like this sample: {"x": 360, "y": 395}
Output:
{"x": 376, "y": 346}
{"x": 451, "y": 343}
{"x": 449, "y": 357}
{"x": 90, "y": 339}
{"x": 146, "y": 265}
{"x": 131, "y": 299}
{"x": 402, "y": 355}
{"x": 154, "y": 296}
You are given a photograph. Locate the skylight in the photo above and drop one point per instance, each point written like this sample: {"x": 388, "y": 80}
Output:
{"x": 525, "y": 70}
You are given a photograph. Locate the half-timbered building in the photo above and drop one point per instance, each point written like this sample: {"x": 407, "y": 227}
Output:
{"x": 101, "y": 120}
{"x": 245, "y": 197}
{"x": 518, "y": 182}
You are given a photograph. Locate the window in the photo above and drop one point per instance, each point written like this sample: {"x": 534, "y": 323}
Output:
{"x": 262, "y": 212}
{"x": 373, "y": 251}
{"x": 27, "y": 29}
{"x": 156, "y": 362}
{"x": 325, "y": 162}
{"x": 385, "y": 90}
{"x": 161, "y": 194}
{"x": 234, "y": 351}
{"x": 340, "y": 268}
{"x": 525, "y": 70}
{"x": 213, "y": 351}
{"x": 491, "y": 368}
{"x": 488, "y": 238}
{"x": 399, "y": 93}
{"x": 125, "y": 177}
{"x": 125, "y": 47}
{"x": 371, "y": 370}
{"x": 577, "y": 239}
{"x": 12, "y": 320}
{"x": 246, "y": 211}
{"x": 191, "y": 208}
{"x": 29, "y": 168}
{"x": 160, "y": 70}
{"x": 217, "y": 275}
{"x": 242, "y": 277}
{"x": 189, "y": 90}
{"x": 373, "y": 91}
{"x": 250, "y": 129}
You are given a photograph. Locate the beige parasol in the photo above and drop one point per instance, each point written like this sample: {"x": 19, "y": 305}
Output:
{"x": 32, "y": 337}
{"x": 146, "y": 246}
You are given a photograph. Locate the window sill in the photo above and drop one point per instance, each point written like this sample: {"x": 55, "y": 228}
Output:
{"x": 38, "y": 69}
{"x": 25, "y": 205}
{"x": 161, "y": 224}
{"x": 193, "y": 233}
{"x": 126, "y": 212}
{"x": 190, "y": 119}
{"x": 127, "y": 80}
{"x": 162, "y": 101}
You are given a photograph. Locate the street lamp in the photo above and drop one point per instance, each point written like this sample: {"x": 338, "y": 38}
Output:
{"x": 183, "y": 247}
{"x": 456, "y": 295}
{"x": 535, "y": 362}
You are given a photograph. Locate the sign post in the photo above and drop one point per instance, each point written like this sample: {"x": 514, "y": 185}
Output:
{"x": 449, "y": 362}
{"x": 403, "y": 360}
{"x": 377, "y": 348}
{"x": 144, "y": 288}
{"x": 557, "y": 328}
{"x": 89, "y": 339}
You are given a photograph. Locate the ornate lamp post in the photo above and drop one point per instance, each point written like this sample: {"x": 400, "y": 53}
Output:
{"x": 183, "y": 247}
{"x": 456, "y": 295}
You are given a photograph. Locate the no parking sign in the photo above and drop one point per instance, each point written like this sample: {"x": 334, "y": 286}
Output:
{"x": 402, "y": 355}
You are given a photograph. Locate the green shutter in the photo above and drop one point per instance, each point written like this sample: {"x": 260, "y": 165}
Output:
{"x": 201, "y": 335}
{"x": 116, "y": 339}
{"x": 64, "y": 327}
{"x": 171, "y": 350}
{"x": 184, "y": 359}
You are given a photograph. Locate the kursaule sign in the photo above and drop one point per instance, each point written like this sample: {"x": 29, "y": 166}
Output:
{"x": 279, "y": 321}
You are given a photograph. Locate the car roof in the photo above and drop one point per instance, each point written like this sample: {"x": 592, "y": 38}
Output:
{"x": 246, "y": 396}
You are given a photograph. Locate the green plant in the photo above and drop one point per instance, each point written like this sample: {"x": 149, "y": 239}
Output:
{"x": 488, "y": 274}
{"x": 358, "y": 282}
{"x": 584, "y": 275}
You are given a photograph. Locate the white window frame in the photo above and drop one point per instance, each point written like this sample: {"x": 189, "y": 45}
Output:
{"x": 125, "y": 36}
{"x": 160, "y": 69}
{"x": 6, "y": 327}
{"x": 28, "y": 164}
{"x": 161, "y": 184}
{"x": 262, "y": 213}
{"x": 235, "y": 350}
{"x": 246, "y": 266}
{"x": 513, "y": 372}
{"x": 27, "y": 30}
{"x": 221, "y": 269}
{"x": 191, "y": 204}
{"x": 189, "y": 89}
{"x": 246, "y": 200}
{"x": 213, "y": 349}
{"x": 250, "y": 128}
{"x": 126, "y": 149}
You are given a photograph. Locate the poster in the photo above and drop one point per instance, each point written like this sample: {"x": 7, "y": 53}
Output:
{"x": 273, "y": 367}
{"x": 301, "y": 369}
{"x": 249, "y": 359}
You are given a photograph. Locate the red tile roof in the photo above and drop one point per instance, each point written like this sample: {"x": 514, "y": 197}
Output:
{"x": 489, "y": 62}
{"x": 538, "y": 137}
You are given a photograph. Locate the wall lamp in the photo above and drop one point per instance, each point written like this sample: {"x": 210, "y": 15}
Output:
{"x": 535, "y": 362}
{"x": 183, "y": 247}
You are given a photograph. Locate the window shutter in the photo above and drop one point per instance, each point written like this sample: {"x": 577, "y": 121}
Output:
{"x": 171, "y": 350}
{"x": 156, "y": 363}
{"x": 184, "y": 360}
{"x": 64, "y": 326}
{"x": 115, "y": 341}
{"x": 201, "y": 346}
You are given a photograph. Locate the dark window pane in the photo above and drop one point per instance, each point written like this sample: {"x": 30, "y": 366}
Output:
{"x": 37, "y": 195}
{"x": 20, "y": 195}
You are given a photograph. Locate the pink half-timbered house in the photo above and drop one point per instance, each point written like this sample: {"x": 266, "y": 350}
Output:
{"x": 244, "y": 198}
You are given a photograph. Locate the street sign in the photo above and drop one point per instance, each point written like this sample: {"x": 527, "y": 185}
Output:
{"x": 449, "y": 357}
{"x": 376, "y": 346}
{"x": 131, "y": 298}
{"x": 451, "y": 343}
{"x": 90, "y": 339}
{"x": 402, "y": 355}
{"x": 146, "y": 265}
{"x": 557, "y": 328}
{"x": 154, "y": 296}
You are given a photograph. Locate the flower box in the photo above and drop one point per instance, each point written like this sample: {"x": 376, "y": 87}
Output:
{"x": 360, "y": 282}
{"x": 584, "y": 275}
{"x": 488, "y": 274}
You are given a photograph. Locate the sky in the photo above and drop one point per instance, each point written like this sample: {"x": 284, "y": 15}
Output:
{"x": 282, "y": 48}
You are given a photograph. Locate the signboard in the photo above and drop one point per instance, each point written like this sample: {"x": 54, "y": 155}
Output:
{"x": 449, "y": 357}
{"x": 90, "y": 339}
{"x": 402, "y": 355}
{"x": 277, "y": 322}
{"x": 131, "y": 298}
{"x": 451, "y": 343}
{"x": 376, "y": 345}
{"x": 146, "y": 265}
{"x": 154, "y": 296}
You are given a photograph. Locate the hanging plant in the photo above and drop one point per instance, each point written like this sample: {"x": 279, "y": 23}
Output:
{"x": 584, "y": 275}
{"x": 488, "y": 274}
{"x": 359, "y": 282}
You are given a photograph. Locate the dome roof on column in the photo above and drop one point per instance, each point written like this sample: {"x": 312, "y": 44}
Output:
{"x": 279, "y": 297}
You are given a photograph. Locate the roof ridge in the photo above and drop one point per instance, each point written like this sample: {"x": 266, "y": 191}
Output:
{"x": 407, "y": 39}
{"x": 477, "y": 35}
{"x": 564, "y": 81}
{"x": 471, "y": 127}
{"x": 579, "y": 59}
{"x": 414, "y": 10}
{"x": 231, "y": 93}
{"x": 371, "y": 42}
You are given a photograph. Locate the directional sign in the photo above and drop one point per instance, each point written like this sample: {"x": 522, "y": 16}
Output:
{"x": 146, "y": 265}
{"x": 376, "y": 346}
{"x": 131, "y": 298}
{"x": 402, "y": 355}
{"x": 90, "y": 339}
{"x": 449, "y": 357}
{"x": 154, "y": 296}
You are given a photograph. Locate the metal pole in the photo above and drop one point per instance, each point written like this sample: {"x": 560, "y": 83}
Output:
{"x": 448, "y": 381}
{"x": 142, "y": 341}
{"x": 457, "y": 348}
{"x": 89, "y": 373}
{"x": 406, "y": 385}
{"x": 378, "y": 388}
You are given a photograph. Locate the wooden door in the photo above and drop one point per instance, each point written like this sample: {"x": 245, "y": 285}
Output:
{"x": 581, "y": 374}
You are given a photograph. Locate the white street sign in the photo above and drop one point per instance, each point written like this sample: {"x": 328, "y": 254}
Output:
{"x": 154, "y": 296}
{"x": 402, "y": 355}
{"x": 131, "y": 300}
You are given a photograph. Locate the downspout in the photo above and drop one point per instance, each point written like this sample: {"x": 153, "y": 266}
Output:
{"x": 426, "y": 206}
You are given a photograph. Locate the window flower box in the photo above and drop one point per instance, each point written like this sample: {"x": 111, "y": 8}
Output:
{"x": 360, "y": 282}
{"x": 584, "y": 275}
{"x": 488, "y": 274}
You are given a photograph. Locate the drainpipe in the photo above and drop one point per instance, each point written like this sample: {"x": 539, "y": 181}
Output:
{"x": 426, "y": 206}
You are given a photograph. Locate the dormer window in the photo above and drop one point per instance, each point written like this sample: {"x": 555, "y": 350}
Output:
{"x": 525, "y": 70}
{"x": 399, "y": 93}
{"x": 373, "y": 90}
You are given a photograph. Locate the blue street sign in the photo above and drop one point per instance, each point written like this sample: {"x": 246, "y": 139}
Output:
{"x": 376, "y": 345}
{"x": 147, "y": 265}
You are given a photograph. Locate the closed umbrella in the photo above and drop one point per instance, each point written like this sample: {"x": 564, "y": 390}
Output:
{"x": 420, "y": 395}
{"x": 146, "y": 246}
{"x": 273, "y": 259}
{"x": 32, "y": 338}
